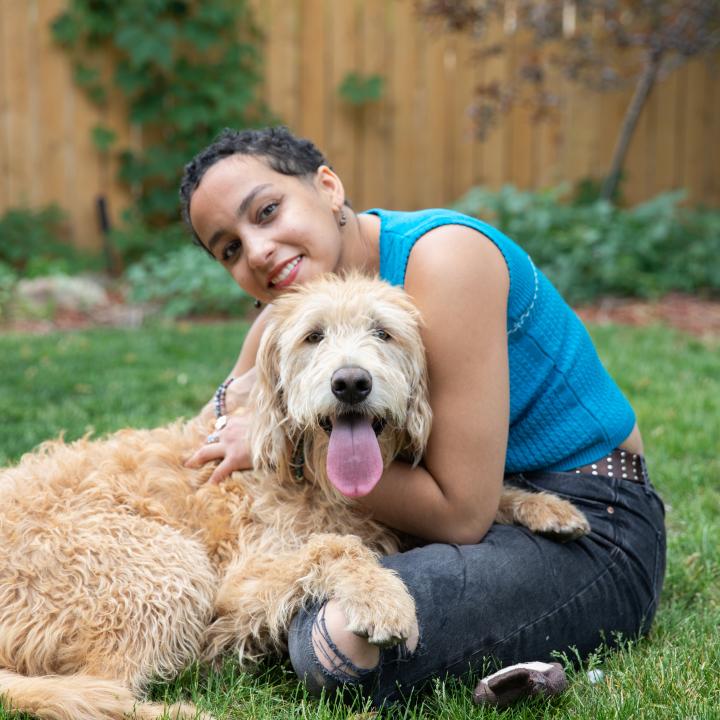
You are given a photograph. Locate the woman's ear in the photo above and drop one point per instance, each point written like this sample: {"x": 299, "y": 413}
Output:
{"x": 330, "y": 185}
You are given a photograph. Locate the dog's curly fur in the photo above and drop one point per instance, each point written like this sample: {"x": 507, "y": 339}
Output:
{"x": 120, "y": 565}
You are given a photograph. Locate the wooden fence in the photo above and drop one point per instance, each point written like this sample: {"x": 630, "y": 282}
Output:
{"x": 413, "y": 148}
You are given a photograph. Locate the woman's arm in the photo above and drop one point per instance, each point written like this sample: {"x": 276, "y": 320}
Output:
{"x": 233, "y": 448}
{"x": 248, "y": 352}
{"x": 459, "y": 281}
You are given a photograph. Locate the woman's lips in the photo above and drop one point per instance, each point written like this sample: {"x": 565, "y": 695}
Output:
{"x": 286, "y": 276}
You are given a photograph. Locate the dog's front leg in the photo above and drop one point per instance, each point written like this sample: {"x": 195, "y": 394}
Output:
{"x": 543, "y": 513}
{"x": 260, "y": 595}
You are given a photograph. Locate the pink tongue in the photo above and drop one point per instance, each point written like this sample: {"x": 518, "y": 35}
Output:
{"x": 354, "y": 463}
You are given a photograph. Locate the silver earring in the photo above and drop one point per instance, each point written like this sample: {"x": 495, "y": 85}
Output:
{"x": 257, "y": 304}
{"x": 343, "y": 220}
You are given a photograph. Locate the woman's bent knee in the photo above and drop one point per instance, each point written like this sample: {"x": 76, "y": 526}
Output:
{"x": 324, "y": 653}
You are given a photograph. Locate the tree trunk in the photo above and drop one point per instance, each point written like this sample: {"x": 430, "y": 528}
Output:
{"x": 644, "y": 85}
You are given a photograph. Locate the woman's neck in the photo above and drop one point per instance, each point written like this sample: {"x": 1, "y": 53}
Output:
{"x": 362, "y": 244}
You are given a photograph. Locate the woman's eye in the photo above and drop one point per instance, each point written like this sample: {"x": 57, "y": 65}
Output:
{"x": 268, "y": 211}
{"x": 382, "y": 334}
{"x": 231, "y": 250}
{"x": 314, "y": 337}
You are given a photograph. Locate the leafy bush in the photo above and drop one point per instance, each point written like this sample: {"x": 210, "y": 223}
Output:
{"x": 186, "y": 281}
{"x": 32, "y": 243}
{"x": 8, "y": 279}
{"x": 187, "y": 68}
{"x": 134, "y": 240}
{"x": 598, "y": 249}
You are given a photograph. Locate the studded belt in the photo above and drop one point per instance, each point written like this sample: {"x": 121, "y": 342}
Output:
{"x": 620, "y": 464}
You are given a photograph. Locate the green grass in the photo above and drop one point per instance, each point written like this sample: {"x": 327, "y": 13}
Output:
{"x": 106, "y": 379}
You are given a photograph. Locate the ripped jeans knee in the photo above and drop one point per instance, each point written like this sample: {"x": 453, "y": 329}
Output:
{"x": 327, "y": 656}
{"x": 313, "y": 644}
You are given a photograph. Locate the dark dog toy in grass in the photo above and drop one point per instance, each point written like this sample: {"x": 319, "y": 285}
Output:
{"x": 519, "y": 681}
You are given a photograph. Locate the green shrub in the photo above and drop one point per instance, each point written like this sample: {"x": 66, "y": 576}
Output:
{"x": 186, "y": 281}
{"x": 134, "y": 240}
{"x": 34, "y": 243}
{"x": 8, "y": 279}
{"x": 598, "y": 249}
{"x": 186, "y": 69}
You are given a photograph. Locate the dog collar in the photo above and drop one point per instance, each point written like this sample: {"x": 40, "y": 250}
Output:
{"x": 298, "y": 461}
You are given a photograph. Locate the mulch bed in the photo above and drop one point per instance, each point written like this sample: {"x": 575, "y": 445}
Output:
{"x": 688, "y": 313}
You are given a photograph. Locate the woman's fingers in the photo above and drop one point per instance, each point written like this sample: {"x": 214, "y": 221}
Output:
{"x": 228, "y": 445}
{"x": 206, "y": 454}
{"x": 222, "y": 471}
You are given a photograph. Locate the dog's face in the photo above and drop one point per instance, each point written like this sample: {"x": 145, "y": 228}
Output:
{"x": 342, "y": 363}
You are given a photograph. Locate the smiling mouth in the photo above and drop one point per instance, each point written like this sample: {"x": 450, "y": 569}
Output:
{"x": 287, "y": 272}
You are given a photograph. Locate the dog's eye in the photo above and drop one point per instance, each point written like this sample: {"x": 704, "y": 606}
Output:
{"x": 314, "y": 337}
{"x": 382, "y": 334}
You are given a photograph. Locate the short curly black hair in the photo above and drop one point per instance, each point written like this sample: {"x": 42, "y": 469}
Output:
{"x": 280, "y": 149}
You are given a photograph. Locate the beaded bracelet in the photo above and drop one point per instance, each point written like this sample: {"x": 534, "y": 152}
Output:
{"x": 219, "y": 397}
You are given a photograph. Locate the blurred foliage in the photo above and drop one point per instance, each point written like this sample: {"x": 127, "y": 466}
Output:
{"x": 588, "y": 190}
{"x": 185, "y": 281}
{"x": 8, "y": 279}
{"x": 186, "y": 68}
{"x": 358, "y": 89}
{"x": 34, "y": 243}
{"x": 134, "y": 240}
{"x": 597, "y": 249}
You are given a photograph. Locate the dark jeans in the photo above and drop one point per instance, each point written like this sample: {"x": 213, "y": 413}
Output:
{"x": 517, "y": 596}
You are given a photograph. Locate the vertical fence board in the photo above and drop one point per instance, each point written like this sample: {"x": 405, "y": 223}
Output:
{"x": 695, "y": 123}
{"x": 496, "y": 69}
{"x": 546, "y": 145}
{"x": 4, "y": 113}
{"x": 405, "y": 78}
{"x": 712, "y": 192}
{"x": 430, "y": 137}
{"x": 666, "y": 145}
{"x": 682, "y": 130}
{"x": 374, "y": 161}
{"x": 52, "y": 78}
{"x": 340, "y": 143}
{"x": 522, "y": 133}
{"x": 312, "y": 117}
{"x": 17, "y": 78}
{"x": 282, "y": 58}
{"x": 464, "y": 148}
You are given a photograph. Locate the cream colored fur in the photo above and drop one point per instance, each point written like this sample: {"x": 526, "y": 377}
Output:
{"x": 120, "y": 565}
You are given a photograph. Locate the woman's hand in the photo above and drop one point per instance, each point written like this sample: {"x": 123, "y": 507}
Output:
{"x": 232, "y": 446}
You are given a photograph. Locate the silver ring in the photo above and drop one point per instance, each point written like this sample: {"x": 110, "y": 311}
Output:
{"x": 212, "y": 438}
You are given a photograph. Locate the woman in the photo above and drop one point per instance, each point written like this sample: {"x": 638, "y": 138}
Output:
{"x": 517, "y": 391}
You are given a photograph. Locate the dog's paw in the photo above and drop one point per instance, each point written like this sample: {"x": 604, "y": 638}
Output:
{"x": 386, "y": 616}
{"x": 557, "y": 518}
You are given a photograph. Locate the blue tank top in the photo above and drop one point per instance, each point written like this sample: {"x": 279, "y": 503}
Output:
{"x": 565, "y": 409}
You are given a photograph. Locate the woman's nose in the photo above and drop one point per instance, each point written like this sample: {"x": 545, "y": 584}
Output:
{"x": 260, "y": 251}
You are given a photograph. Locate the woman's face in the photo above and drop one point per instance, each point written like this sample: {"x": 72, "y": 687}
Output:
{"x": 268, "y": 229}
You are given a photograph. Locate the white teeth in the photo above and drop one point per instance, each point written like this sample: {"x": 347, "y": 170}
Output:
{"x": 285, "y": 272}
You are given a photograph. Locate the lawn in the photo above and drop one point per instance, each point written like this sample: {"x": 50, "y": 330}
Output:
{"x": 105, "y": 379}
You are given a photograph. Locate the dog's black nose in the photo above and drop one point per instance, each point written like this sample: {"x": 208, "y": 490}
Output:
{"x": 351, "y": 384}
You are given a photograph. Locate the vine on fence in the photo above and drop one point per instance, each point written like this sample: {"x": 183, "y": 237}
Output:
{"x": 187, "y": 68}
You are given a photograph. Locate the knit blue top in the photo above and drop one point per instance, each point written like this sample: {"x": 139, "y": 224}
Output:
{"x": 565, "y": 409}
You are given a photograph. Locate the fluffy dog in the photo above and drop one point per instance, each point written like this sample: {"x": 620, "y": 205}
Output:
{"x": 120, "y": 565}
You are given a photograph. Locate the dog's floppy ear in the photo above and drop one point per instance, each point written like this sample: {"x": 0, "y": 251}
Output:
{"x": 268, "y": 441}
{"x": 419, "y": 419}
